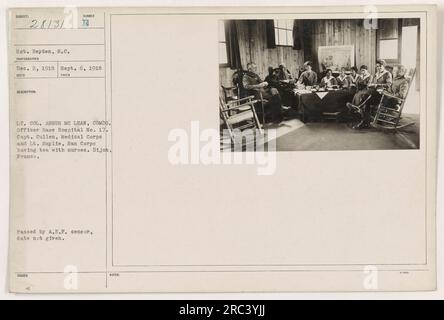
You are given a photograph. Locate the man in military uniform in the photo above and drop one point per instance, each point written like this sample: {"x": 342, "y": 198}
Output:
{"x": 272, "y": 78}
{"x": 353, "y": 78}
{"x": 253, "y": 85}
{"x": 285, "y": 84}
{"x": 284, "y": 74}
{"x": 398, "y": 88}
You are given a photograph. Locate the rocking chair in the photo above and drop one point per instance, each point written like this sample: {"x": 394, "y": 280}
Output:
{"x": 388, "y": 117}
{"x": 239, "y": 114}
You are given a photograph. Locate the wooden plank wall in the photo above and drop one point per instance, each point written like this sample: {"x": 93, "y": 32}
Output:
{"x": 253, "y": 47}
{"x": 342, "y": 32}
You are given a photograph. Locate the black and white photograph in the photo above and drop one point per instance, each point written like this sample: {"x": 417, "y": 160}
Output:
{"x": 319, "y": 175}
{"x": 321, "y": 84}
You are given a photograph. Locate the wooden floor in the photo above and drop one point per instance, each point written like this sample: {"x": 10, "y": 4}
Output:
{"x": 338, "y": 136}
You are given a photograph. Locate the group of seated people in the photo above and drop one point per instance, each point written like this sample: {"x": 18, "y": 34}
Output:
{"x": 279, "y": 83}
{"x": 369, "y": 89}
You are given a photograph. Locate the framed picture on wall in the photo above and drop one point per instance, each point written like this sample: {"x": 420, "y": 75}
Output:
{"x": 336, "y": 57}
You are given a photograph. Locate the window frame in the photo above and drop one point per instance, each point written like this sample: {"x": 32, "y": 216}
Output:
{"x": 287, "y": 32}
{"x": 223, "y": 64}
{"x": 398, "y": 38}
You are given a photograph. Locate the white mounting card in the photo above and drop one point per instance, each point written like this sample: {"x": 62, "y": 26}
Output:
{"x": 188, "y": 149}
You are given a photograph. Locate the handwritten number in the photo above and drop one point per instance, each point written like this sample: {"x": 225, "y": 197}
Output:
{"x": 47, "y": 24}
{"x": 33, "y": 24}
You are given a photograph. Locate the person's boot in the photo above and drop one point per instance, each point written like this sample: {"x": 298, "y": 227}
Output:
{"x": 351, "y": 107}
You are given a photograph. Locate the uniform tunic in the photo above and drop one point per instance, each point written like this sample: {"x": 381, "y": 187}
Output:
{"x": 284, "y": 74}
{"x": 361, "y": 85}
{"x": 383, "y": 79}
{"x": 399, "y": 88}
{"x": 308, "y": 78}
{"x": 274, "y": 104}
{"x": 353, "y": 80}
{"x": 343, "y": 82}
{"x": 328, "y": 82}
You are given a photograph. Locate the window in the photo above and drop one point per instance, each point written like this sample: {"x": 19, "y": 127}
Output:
{"x": 223, "y": 60}
{"x": 388, "y": 49}
{"x": 283, "y": 32}
{"x": 388, "y": 38}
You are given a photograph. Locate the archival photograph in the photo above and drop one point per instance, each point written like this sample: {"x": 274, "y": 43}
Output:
{"x": 317, "y": 175}
{"x": 320, "y": 84}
